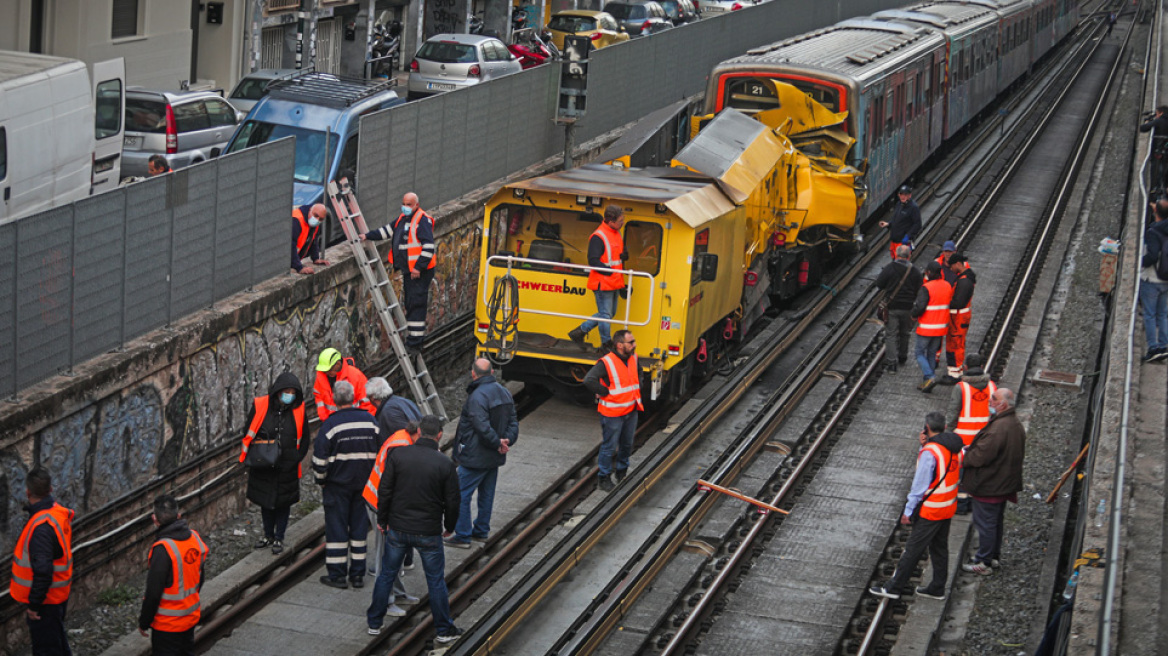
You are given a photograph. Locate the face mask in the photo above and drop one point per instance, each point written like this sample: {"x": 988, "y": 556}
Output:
{"x": 287, "y": 398}
{"x": 993, "y": 411}
{"x": 407, "y": 210}
{"x": 313, "y": 221}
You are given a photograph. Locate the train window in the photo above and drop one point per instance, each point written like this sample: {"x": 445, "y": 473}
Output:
{"x": 889, "y": 112}
{"x": 541, "y": 233}
{"x": 643, "y": 242}
{"x": 911, "y": 89}
{"x": 749, "y": 94}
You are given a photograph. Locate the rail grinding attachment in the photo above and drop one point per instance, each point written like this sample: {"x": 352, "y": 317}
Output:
{"x": 348, "y": 212}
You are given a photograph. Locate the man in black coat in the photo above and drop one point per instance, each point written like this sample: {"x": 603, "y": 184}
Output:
{"x": 276, "y": 489}
{"x": 418, "y": 497}
{"x": 901, "y": 281}
{"x": 905, "y": 224}
{"x": 487, "y": 429}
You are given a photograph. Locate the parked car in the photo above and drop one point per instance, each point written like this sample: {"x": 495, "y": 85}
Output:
{"x": 680, "y": 11}
{"x": 602, "y": 28}
{"x": 324, "y": 113}
{"x": 254, "y": 86}
{"x": 639, "y": 17}
{"x": 184, "y": 127}
{"x": 446, "y": 62}
{"x": 717, "y": 7}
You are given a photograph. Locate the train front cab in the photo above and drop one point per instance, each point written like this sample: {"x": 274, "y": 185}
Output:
{"x": 684, "y": 275}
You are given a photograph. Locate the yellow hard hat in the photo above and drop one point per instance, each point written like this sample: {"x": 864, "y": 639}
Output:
{"x": 328, "y": 358}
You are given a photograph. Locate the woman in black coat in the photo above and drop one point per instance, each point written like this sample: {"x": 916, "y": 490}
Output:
{"x": 275, "y": 489}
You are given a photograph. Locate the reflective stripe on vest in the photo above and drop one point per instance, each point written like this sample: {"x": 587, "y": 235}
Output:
{"x": 942, "y": 503}
{"x": 322, "y": 390}
{"x": 414, "y": 247}
{"x": 614, "y": 245}
{"x": 179, "y": 609}
{"x": 400, "y": 438}
{"x": 975, "y": 410}
{"x": 60, "y": 519}
{"x": 934, "y": 322}
{"x": 624, "y": 387}
{"x": 261, "y": 411}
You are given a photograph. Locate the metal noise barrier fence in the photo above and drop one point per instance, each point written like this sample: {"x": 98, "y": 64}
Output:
{"x": 85, "y": 278}
{"x": 447, "y": 145}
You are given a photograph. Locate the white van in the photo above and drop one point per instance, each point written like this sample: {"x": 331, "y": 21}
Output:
{"x": 60, "y": 134}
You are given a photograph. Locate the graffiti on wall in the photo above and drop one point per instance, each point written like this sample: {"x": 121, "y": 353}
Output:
{"x": 152, "y": 426}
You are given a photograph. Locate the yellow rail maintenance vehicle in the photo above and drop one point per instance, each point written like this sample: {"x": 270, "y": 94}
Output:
{"x": 740, "y": 220}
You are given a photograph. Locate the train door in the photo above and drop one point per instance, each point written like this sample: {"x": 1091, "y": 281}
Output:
{"x": 645, "y": 244}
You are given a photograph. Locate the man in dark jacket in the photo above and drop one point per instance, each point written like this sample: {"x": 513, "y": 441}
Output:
{"x": 342, "y": 457}
{"x": 960, "y": 313}
{"x": 905, "y": 224}
{"x": 992, "y": 475}
{"x": 934, "y": 484}
{"x": 901, "y": 281}
{"x": 276, "y": 489}
{"x": 418, "y": 497}
{"x": 487, "y": 429}
{"x": 170, "y": 605}
{"x": 1153, "y": 288}
{"x": 394, "y": 412}
{"x": 42, "y": 571}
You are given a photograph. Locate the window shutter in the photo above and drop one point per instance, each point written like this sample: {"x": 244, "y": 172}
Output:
{"x": 125, "y": 19}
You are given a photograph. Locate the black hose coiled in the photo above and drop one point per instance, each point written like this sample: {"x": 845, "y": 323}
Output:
{"x": 503, "y": 319}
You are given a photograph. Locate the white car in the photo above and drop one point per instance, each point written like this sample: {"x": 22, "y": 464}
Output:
{"x": 718, "y": 7}
{"x": 446, "y": 62}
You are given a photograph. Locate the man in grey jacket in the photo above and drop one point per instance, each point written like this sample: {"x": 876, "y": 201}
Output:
{"x": 487, "y": 429}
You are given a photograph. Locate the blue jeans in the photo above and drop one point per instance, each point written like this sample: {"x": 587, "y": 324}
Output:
{"x": 605, "y": 309}
{"x": 1154, "y": 303}
{"x": 617, "y": 436}
{"x": 926, "y": 353}
{"x": 433, "y": 564}
{"x": 484, "y": 481}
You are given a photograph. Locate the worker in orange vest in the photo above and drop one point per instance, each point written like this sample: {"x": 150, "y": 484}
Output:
{"x": 969, "y": 409}
{"x": 616, "y": 381}
{"x": 306, "y": 222}
{"x": 931, "y": 310}
{"x": 931, "y": 504}
{"x": 960, "y": 313}
{"x": 606, "y": 249}
{"x": 170, "y": 605}
{"x": 42, "y": 566}
{"x": 376, "y": 546}
{"x": 331, "y": 367}
{"x": 414, "y": 253}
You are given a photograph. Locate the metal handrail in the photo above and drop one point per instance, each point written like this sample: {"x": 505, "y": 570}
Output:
{"x": 628, "y": 274}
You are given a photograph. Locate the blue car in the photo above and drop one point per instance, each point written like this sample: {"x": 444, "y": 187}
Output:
{"x": 323, "y": 113}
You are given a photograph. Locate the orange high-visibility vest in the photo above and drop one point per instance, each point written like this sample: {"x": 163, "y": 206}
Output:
{"x": 261, "y": 411}
{"x": 322, "y": 390}
{"x": 614, "y": 245}
{"x": 975, "y": 410}
{"x": 935, "y": 320}
{"x": 624, "y": 387}
{"x": 178, "y": 610}
{"x": 413, "y": 246}
{"x": 942, "y": 503}
{"x": 400, "y": 438}
{"x": 307, "y": 232}
{"x": 61, "y": 519}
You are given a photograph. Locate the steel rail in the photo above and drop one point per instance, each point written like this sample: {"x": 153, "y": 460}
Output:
{"x": 876, "y": 625}
{"x": 1110, "y": 575}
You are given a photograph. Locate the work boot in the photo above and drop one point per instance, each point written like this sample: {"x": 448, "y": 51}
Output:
{"x": 277, "y": 547}
{"x": 334, "y": 583}
{"x": 606, "y": 483}
{"x": 927, "y": 386}
{"x": 577, "y": 337}
{"x": 620, "y": 474}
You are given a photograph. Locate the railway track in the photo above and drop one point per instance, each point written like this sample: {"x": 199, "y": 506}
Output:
{"x": 469, "y": 580}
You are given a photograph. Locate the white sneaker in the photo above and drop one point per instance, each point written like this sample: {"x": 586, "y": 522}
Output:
{"x": 395, "y": 611}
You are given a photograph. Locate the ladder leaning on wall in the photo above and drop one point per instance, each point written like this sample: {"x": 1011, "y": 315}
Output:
{"x": 345, "y": 206}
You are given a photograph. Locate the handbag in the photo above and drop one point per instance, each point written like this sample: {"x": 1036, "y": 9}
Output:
{"x": 263, "y": 453}
{"x": 882, "y": 306}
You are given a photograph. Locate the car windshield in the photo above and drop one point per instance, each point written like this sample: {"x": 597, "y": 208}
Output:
{"x": 573, "y": 24}
{"x": 145, "y": 115}
{"x": 310, "y": 144}
{"x": 251, "y": 88}
{"x": 625, "y": 12}
{"x": 447, "y": 52}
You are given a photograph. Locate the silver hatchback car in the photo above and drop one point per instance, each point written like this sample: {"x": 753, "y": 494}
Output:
{"x": 183, "y": 127}
{"x": 446, "y": 62}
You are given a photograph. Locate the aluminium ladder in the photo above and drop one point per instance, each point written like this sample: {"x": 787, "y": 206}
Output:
{"x": 345, "y": 206}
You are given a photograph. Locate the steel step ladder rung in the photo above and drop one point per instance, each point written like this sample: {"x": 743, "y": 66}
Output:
{"x": 347, "y": 210}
